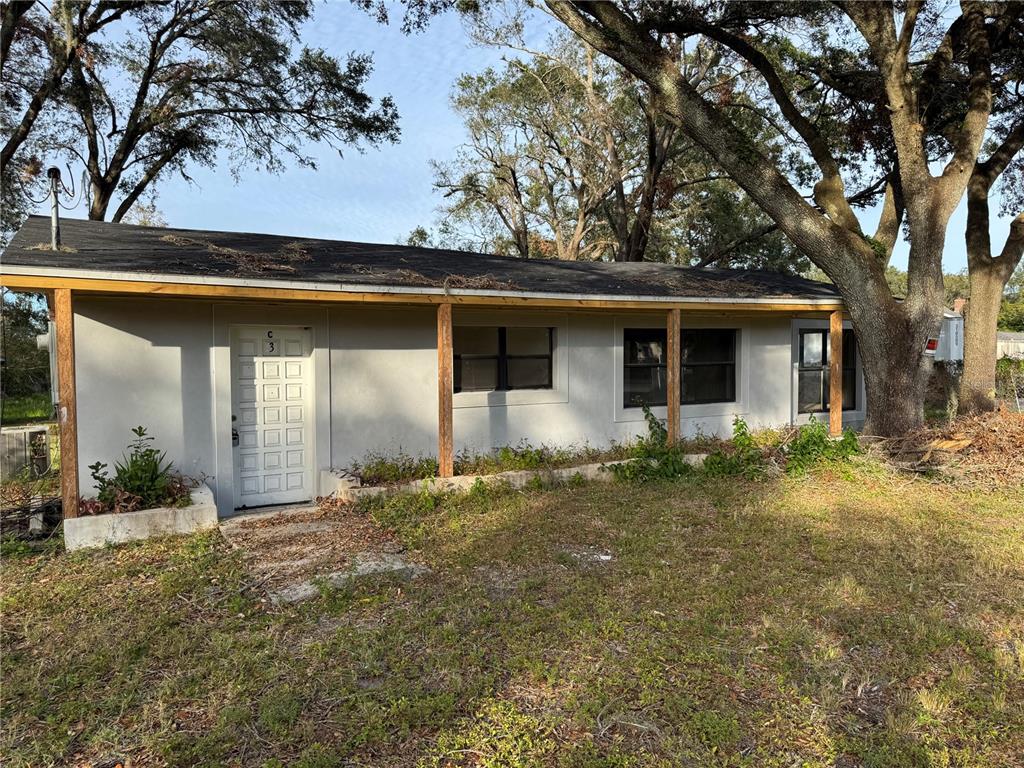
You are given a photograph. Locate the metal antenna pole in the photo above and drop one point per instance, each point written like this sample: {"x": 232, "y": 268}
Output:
{"x": 53, "y": 174}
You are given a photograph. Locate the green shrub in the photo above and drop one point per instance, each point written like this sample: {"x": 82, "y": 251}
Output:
{"x": 382, "y": 469}
{"x": 747, "y": 455}
{"x": 742, "y": 458}
{"x": 651, "y": 457}
{"x": 143, "y": 479}
{"x": 812, "y": 445}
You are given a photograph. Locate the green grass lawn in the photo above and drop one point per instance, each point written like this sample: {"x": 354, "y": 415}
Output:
{"x": 25, "y": 409}
{"x": 846, "y": 618}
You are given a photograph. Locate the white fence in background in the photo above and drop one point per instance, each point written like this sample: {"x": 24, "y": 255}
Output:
{"x": 22, "y": 447}
{"x": 1010, "y": 345}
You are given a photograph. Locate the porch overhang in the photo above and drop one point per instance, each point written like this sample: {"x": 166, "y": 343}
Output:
{"x": 87, "y": 281}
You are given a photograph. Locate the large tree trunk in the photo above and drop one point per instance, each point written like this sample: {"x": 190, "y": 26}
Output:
{"x": 891, "y": 339}
{"x": 978, "y": 385}
{"x": 101, "y": 196}
{"x": 988, "y": 276}
{"x": 896, "y": 370}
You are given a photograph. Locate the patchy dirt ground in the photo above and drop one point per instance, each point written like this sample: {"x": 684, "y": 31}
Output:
{"x": 986, "y": 449}
{"x": 294, "y": 545}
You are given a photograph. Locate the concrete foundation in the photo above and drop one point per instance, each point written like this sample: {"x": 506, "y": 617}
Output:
{"x": 99, "y": 530}
{"x": 515, "y": 478}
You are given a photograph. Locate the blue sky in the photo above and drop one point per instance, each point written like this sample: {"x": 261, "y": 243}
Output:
{"x": 382, "y": 194}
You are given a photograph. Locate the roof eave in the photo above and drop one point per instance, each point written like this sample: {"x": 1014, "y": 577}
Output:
{"x": 97, "y": 281}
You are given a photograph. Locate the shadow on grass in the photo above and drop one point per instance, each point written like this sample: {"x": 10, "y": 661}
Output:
{"x": 829, "y": 620}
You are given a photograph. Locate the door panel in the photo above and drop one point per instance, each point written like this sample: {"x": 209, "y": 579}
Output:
{"x": 271, "y": 390}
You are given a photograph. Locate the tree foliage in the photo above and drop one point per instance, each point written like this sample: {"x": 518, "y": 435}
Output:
{"x": 26, "y": 368}
{"x": 138, "y": 91}
{"x": 861, "y": 89}
{"x": 568, "y": 158}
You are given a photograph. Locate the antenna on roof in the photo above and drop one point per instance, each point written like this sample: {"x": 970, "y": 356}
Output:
{"x": 53, "y": 174}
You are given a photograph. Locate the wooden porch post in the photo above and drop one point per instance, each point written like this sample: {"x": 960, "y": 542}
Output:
{"x": 674, "y": 376}
{"x": 445, "y": 441}
{"x": 835, "y": 389}
{"x": 67, "y": 410}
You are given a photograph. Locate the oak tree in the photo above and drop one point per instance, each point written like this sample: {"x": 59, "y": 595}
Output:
{"x": 138, "y": 91}
{"x": 899, "y": 51}
{"x": 567, "y": 157}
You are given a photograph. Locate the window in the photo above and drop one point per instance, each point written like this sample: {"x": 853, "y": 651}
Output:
{"x": 489, "y": 358}
{"x": 708, "y": 356}
{"x": 644, "y": 379}
{"x": 707, "y": 359}
{"x": 813, "y": 373}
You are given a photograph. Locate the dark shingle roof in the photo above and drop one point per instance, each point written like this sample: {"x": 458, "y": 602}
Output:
{"x": 125, "y": 248}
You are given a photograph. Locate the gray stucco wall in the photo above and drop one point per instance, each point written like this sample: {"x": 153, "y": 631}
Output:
{"x": 144, "y": 362}
{"x": 165, "y": 364}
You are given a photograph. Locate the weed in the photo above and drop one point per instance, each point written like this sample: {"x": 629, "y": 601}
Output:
{"x": 400, "y": 467}
{"x": 317, "y": 756}
{"x": 383, "y": 469}
{"x": 143, "y": 479}
{"x": 812, "y": 445}
{"x": 652, "y": 457}
{"x": 279, "y": 710}
{"x": 743, "y": 458}
{"x": 499, "y": 735}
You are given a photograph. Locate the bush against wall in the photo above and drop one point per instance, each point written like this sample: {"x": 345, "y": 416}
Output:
{"x": 143, "y": 479}
{"x": 747, "y": 455}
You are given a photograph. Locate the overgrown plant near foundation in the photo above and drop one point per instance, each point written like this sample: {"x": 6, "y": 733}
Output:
{"x": 143, "y": 479}
{"x": 652, "y": 456}
{"x": 743, "y": 457}
{"x": 392, "y": 469}
{"x": 794, "y": 451}
{"x": 749, "y": 455}
{"x": 812, "y": 445}
{"x": 526, "y": 456}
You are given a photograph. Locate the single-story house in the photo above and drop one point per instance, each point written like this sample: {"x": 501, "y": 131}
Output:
{"x": 262, "y": 362}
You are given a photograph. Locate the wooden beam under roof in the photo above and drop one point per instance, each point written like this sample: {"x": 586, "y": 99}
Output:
{"x": 674, "y": 374}
{"x": 835, "y": 389}
{"x": 103, "y": 286}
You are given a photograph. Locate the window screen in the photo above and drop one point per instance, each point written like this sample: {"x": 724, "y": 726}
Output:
{"x": 490, "y": 358}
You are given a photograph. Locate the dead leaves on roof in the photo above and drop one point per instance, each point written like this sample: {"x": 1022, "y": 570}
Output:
{"x": 411, "y": 277}
{"x": 292, "y": 253}
{"x": 249, "y": 262}
{"x": 47, "y": 247}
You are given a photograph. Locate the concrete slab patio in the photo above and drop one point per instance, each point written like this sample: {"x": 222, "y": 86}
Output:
{"x": 292, "y": 550}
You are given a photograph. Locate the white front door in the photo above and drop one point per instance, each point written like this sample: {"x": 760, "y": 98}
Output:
{"x": 272, "y": 422}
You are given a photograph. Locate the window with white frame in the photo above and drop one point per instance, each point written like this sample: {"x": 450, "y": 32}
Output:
{"x": 814, "y": 376}
{"x": 707, "y": 361}
{"x": 502, "y": 358}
